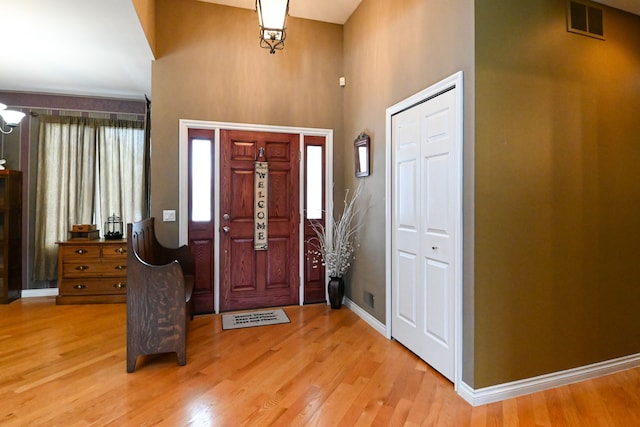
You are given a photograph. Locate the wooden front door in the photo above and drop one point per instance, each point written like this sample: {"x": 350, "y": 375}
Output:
{"x": 252, "y": 278}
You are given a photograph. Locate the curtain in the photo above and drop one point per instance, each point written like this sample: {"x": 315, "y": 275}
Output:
{"x": 66, "y": 157}
{"x": 88, "y": 169}
{"x": 120, "y": 177}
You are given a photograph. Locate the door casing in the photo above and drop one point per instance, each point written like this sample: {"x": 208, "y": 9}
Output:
{"x": 455, "y": 80}
{"x": 183, "y": 184}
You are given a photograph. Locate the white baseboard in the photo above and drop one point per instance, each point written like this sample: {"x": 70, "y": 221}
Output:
{"x": 32, "y": 293}
{"x": 500, "y": 392}
{"x": 364, "y": 315}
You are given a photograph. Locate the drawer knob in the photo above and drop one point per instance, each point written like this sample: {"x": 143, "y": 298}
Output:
{"x": 121, "y": 251}
{"x": 82, "y": 267}
{"x": 120, "y": 285}
{"x": 81, "y": 251}
{"x": 120, "y": 267}
{"x": 79, "y": 286}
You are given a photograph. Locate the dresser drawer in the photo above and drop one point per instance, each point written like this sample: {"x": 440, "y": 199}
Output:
{"x": 114, "y": 251}
{"x": 94, "y": 267}
{"x": 93, "y": 286}
{"x": 80, "y": 251}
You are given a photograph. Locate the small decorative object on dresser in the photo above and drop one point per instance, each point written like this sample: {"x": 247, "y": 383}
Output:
{"x": 84, "y": 232}
{"x": 113, "y": 228}
{"x": 92, "y": 271}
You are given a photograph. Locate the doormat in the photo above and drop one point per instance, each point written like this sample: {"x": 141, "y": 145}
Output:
{"x": 254, "y": 318}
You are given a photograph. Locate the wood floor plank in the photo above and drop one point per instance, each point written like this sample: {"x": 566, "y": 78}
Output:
{"x": 66, "y": 366}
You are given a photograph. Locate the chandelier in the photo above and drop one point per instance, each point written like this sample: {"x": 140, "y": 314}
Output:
{"x": 272, "y": 15}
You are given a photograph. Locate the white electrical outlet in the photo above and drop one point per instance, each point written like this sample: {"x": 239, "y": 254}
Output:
{"x": 168, "y": 216}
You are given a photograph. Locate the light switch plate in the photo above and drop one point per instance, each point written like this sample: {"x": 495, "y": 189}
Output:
{"x": 168, "y": 215}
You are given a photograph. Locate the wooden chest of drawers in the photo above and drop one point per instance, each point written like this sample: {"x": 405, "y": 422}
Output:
{"x": 92, "y": 271}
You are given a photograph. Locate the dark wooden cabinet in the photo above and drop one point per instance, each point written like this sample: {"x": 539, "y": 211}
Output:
{"x": 92, "y": 271}
{"x": 10, "y": 235}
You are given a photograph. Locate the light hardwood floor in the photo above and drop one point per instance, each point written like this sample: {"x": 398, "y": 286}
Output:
{"x": 65, "y": 366}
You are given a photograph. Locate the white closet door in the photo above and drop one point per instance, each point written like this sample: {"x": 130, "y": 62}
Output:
{"x": 426, "y": 176}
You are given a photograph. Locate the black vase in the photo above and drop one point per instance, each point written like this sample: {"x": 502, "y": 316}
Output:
{"x": 336, "y": 291}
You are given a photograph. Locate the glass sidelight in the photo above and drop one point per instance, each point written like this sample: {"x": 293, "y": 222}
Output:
{"x": 315, "y": 181}
{"x": 200, "y": 178}
{"x": 314, "y": 204}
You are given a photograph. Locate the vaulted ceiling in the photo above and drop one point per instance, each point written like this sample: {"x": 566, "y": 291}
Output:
{"x": 335, "y": 11}
{"x": 97, "y": 47}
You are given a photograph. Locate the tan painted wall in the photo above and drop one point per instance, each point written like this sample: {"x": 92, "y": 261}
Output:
{"x": 394, "y": 49}
{"x": 210, "y": 67}
{"x": 550, "y": 276}
{"x": 557, "y": 280}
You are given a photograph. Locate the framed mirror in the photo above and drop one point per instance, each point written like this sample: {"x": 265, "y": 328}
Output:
{"x": 361, "y": 155}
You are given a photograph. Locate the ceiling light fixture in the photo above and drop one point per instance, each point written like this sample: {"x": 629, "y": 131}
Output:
{"x": 11, "y": 118}
{"x": 272, "y": 15}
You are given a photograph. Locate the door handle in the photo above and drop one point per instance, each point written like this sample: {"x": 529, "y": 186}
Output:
{"x": 226, "y": 217}
{"x": 226, "y": 229}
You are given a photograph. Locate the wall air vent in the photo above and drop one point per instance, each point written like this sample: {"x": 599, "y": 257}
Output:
{"x": 586, "y": 18}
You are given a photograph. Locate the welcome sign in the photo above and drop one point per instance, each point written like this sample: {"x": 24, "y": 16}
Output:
{"x": 261, "y": 211}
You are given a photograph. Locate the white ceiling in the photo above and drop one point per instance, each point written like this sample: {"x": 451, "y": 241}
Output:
{"x": 632, "y": 6}
{"x": 97, "y": 47}
{"x": 335, "y": 11}
{"x": 79, "y": 47}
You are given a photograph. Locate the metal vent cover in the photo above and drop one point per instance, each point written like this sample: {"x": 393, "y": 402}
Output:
{"x": 585, "y": 18}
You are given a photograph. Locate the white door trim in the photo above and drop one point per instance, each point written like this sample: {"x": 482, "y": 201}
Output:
{"x": 183, "y": 182}
{"x": 455, "y": 80}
